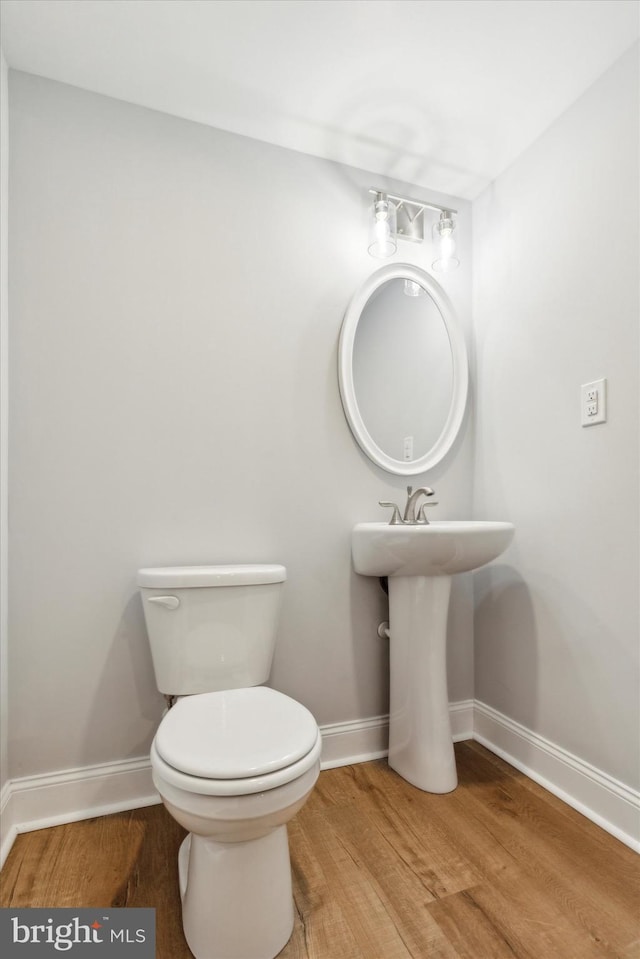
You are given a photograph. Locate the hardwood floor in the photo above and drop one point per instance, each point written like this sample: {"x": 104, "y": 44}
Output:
{"x": 495, "y": 870}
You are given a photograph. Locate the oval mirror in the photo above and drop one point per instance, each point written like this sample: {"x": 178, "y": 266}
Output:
{"x": 402, "y": 370}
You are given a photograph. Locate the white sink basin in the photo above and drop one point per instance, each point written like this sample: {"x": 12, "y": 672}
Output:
{"x": 439, "y": 549}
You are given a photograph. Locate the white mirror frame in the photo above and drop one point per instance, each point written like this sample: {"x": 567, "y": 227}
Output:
{"x": 454, "y": 419}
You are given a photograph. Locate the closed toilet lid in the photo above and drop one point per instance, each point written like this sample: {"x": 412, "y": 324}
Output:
{"x": 235, "y": 733}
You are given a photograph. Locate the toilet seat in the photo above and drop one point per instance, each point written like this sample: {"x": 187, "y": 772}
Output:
{"x": 234, "y": 787}
{"x": 235, "y": 742}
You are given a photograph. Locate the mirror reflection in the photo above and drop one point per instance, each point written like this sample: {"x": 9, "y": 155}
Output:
{"x": 402, "y": 369}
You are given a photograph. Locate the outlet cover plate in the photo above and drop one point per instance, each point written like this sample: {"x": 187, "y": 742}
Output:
{"x": 593, "y": 398}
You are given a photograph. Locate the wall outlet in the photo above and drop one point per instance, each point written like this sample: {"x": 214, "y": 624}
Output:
{"x": 593, "y": 398}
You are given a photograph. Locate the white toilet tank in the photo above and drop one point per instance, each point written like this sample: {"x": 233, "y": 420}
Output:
{"x": 211, "y": 627}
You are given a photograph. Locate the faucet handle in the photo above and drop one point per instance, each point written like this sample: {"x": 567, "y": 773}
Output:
{"x": 422, "y": 516}
{"x": 395, "y": 516}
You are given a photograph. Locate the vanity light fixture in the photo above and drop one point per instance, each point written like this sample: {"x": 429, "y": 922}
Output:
{"x": 395, "y": 216}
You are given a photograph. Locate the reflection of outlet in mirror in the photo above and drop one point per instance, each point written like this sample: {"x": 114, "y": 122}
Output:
{"x": 407, "y": 447}
{"x": 594, "y": 402}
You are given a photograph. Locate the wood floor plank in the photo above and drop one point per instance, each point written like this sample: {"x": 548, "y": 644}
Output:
{"x": 350, "y": 888}
{"x": 321, "y": 928}
{"x": 497, "y": 869}
{"x": 402, "y": 877}
{"x": 585, "y": 868}
{"x": 417, "y": 825}
{"x": 97, "y": 854}
{"x": 464, "y": 850}
{"x": 470, "y": 930}
{"x": 533, "y": 922}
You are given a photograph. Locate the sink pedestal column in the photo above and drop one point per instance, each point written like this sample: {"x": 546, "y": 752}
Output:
{"x": 420, "y": 741}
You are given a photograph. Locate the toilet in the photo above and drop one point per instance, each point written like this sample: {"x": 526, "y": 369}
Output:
{"x": 233, "y": 760}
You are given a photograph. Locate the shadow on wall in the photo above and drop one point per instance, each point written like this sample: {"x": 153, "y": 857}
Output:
{"x": 396, "y": 137}
{"x": 506, "y": 644}
{"x": 127, "y": 675}
{"x": 540, "y": 649}
{"x": 369, "y": 608}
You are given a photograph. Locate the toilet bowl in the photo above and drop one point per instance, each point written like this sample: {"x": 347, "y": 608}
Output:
{"x": 232, "y": 767}
{"x": 233, "y": 760}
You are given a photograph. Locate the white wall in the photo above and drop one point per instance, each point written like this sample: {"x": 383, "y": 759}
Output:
{"x": 556, "y": 305}
{"x": 177, "y": 294}
{"x": 4, "y": 422}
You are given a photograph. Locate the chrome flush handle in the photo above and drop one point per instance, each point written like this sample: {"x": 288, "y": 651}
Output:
{"x": 169, "y": 602}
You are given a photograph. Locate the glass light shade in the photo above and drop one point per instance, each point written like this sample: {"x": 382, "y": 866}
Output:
{"x": 382, "y": 236}
{"x": 445, "y": 245}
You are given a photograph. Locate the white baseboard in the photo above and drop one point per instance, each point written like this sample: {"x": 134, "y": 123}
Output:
{"x": 356, "y": 741}
{"x": 461, "y": 715}
{"x": 361, "y": 740}
{"x": 37, "y": 802}
{"x": 8, "y": 831}
{"x": 601, "y": 798}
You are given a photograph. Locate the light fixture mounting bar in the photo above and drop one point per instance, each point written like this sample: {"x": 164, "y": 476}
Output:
{"x": 422, "y": 204}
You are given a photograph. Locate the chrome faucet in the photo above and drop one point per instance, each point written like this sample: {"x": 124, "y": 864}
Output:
{"x": 409, "y": 518}
{"x": 412, "y": 499}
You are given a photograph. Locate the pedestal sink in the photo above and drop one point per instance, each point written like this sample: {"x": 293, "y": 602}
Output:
{"x": 419, "y": 561}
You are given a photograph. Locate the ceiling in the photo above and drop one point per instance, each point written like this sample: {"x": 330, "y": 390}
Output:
{"x": 440, "y": 93}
